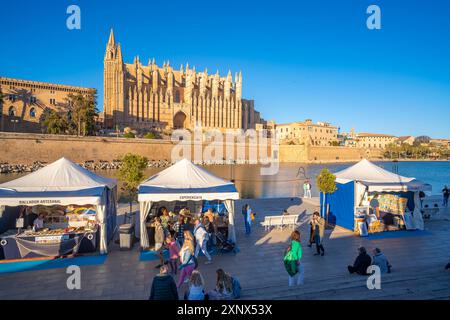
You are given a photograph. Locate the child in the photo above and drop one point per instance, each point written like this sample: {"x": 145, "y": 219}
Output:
{"x": 174, "y": 254}
{"x": 196, "y": 289}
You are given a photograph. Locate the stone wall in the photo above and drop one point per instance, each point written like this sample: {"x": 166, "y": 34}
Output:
{"x": 29, "y": 148}
{"x": 314, "y": 154}
{"x": 17, "y": 148}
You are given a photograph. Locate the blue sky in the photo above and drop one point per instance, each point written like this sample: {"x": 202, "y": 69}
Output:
{"x": 300, "y": 59}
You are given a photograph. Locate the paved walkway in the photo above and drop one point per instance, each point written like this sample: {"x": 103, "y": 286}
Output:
{"x": 418, "y": 266}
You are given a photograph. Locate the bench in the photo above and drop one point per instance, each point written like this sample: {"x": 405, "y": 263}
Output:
{"x": 281, "y": 221}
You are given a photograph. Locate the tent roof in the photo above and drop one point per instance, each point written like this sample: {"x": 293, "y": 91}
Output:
{"x": 185, "y": 180}
{"x": 379, "y": 179}
{"x": 61, "y": 175}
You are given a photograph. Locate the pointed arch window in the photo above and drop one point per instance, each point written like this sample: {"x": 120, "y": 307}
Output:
{"x": 12, "y": 112}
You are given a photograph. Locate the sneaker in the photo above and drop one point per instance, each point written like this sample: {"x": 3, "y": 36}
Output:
{"x": 317, "y": 254}
{"x": 323, "y": 253}
{"x": 158, "y": 266}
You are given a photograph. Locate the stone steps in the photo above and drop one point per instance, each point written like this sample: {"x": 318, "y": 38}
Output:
{"x": 414, "y": 283}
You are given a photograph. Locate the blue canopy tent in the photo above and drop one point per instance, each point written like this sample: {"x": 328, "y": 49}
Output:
{"x": 355, "y": 183}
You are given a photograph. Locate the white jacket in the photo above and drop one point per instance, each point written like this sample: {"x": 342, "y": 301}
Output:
{"x": 200, "y": 234}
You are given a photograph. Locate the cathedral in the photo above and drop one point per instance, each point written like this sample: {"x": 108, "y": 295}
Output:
{"x": 149, "y": 97}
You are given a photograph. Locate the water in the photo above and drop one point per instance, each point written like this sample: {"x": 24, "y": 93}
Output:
{"x": 289, "y": 180}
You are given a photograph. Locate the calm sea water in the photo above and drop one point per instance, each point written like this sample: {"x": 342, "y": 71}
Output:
{"x": 288, "y": 182}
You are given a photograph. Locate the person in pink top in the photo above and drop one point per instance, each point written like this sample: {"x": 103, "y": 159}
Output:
{"x": 174, "y": 253}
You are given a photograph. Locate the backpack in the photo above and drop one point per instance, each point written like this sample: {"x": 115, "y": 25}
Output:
{"x": 236, "y": 288}
{"x": 290, "y": 264}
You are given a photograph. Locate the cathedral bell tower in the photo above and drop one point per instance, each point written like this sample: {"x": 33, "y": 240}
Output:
{"x": 113, "y": 84}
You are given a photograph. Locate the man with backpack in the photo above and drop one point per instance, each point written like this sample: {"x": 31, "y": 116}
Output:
{"x": 201, "y": 237}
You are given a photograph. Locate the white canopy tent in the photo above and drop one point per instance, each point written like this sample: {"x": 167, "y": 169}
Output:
{"x": 185, "y": 181}
{"x": 379, "y": 179}
{"x": 64, "y": 183}
{"x": 366, "y": 178}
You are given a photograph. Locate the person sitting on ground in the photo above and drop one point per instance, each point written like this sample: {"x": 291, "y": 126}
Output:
{"x": 224, "y": 287}
{"x": 159, "y": 241}
{"x": 380, "y": 260}
{"x": 196, "y": 289}
{"x": 201, "y": 237}
{"x": 362, "y": 262}
{"x": 447, "y": 266}
{"x": 163, "y": 286}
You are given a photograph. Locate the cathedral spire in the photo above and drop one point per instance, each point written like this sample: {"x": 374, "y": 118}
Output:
{"x": 112, "y": 40}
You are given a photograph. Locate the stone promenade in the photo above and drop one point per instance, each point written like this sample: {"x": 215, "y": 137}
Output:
{"x": 418, "y": 266}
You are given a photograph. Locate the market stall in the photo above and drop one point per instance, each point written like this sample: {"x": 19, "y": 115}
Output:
{"x": 370, "y": 199}
{"x": 186, "y": 182}
{"x": 58, "y": 210}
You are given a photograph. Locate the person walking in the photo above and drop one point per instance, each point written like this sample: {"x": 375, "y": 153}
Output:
{"x": 174, "y": 254}
{"x": 247, "y": 214}
{"x": 187, "y": 258}
{"x": 308, "y": 189}
{"x": 305, "y": 189}
{"x": 319, "y": 233}
{"x": 159, "y": 241}
{"x": 201, "y": 237}
{"x": 163, "y": 286}
{"x": 446, "y": 195}
{"x": 179, "y": 227}
{"x": 311, "y": 231}
{"x": 292, "y": 260}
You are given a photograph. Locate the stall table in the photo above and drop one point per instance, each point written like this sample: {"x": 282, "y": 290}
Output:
{"x": 10, "y": 242}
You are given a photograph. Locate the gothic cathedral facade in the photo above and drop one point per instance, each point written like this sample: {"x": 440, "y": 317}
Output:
{"x": 148, "y": 97}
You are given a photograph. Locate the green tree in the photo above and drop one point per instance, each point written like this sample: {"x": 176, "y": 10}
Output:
{"x": 82, "y": 114}
{"x": 150, "y": 135}
{"x": 131, "y": 173}
{"x": 326, "y": 183}
{"x": 54, "y": 123}
{"x": 129, "y": 135}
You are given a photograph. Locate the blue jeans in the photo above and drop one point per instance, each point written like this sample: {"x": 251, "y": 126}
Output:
{"x": 248, "y": 227}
